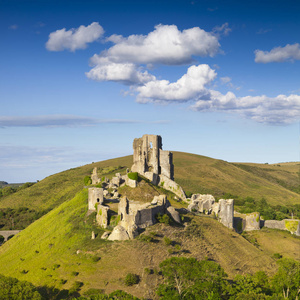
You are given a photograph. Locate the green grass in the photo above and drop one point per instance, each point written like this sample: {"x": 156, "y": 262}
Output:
{"x": 52, "y": 241}
{"x": 195, "y": 173}
{"x": 46, "y": 252}
{"x": 200, "y": 174}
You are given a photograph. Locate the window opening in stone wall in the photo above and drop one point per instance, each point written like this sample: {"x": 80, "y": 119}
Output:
{"x": 151, "y": 145}
{"x": 98, "y": 200}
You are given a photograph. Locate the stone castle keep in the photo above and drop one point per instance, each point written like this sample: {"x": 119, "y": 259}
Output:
{"x": 150, "y": 161}
{"x": 148, "y": 157}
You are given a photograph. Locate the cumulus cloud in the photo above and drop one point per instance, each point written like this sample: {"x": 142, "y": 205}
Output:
{"x": 189, "y": 86}
{"x": 193, "y": 87}
{"x": 75, "y": 38}
{"x": 126, "y": 73}
{"x": 61, "y": 121}
{"x": 278, "y": 54}
{"x": 165, "y": 45}
{"x": 278, "y": 110}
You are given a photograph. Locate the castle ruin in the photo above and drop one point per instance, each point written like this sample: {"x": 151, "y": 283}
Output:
{"x": 148, "y": 156}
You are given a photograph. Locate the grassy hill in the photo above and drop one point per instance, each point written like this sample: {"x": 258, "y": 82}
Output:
{"x": 195, "y": 173}
{"x": 57, "y": 250}
{"x": 206, "y": 175}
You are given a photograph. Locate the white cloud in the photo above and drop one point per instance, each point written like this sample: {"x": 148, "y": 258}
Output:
{"x": 189, "y": 86}
{"x": 165, "y": 45}
{"x": 281, "y": 109}
{"x": 278, "y": 54}
{"x": 74, "y": 39}
{"x": 222, "y": 30}
{"x": 127, "y": 73}
{"x": 192, "y": 87}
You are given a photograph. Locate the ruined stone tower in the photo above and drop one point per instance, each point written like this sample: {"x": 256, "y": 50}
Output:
{"x": 148, "y": 156}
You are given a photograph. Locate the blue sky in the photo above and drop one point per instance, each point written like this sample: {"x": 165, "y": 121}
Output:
{"x": 79, "y": 80}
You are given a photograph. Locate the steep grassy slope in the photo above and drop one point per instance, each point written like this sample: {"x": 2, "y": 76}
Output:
{"x": 195, "y": 173}
{"x": 46, "y": 252}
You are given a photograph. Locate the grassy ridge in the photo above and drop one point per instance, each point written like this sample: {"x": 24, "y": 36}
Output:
{"x": 46, "y": 252}
{"x": 195, "y": 173}
{"x": 206, "y": 175}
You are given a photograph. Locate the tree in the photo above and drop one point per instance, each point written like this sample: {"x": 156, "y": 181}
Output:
{"x": 287, "y": 279}
{"x": 187, "y": 278}
{"x": 13, "y": 289}
{"x": 256, "y": 285}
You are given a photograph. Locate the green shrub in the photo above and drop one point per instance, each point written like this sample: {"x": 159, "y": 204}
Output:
{"x": 87, "y": 180}
{"x": 170, "y": 251}
{"x": 167, "y": 241}
{"x": 55, "y": 266}
{"x": 188, "y": 194}
{"x": 92, "y": 292}
{"x": 163, "y": 218}
{"x": 277, "y": 255}
{"x": 177, "y": 247}
{"x": 131, "y": 279}
{"x": 121, "y": 295}
{"x": 75, "y": 287}
{"x": 62, "y": 281}
{"x": 133, "y": 176}
{"x": 146, "y": 238}
{"x": 148, "y": 271}
{"x": 74, "y": 273}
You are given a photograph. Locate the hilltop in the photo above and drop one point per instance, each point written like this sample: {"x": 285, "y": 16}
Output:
{"x": 58, "y": 251}
{"x": 277, "y": 183}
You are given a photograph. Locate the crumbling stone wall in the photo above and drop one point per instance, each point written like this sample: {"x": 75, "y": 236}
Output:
{"x": 252, "y": 221}
{"x": 102, "y": 215}
{"x": 226, "y": 212}
{"x": 94, "y": 177}
{"x": 291, "y": 225}
{"x": 95, "y": 195}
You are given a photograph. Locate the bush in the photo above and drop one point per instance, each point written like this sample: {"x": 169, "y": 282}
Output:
{"x": 133, "y": 176}
{"x": 121, "y": 295}
{"x": 163, "y": 218}
{"x": 75, "y": 287}
{"x": 55, "y": 266}
{"x": 131, "y": 279}
{"x": 146, "y": 238}
{"x": 93, "y": 291}
{"x": 74, "y": 273}
{"x": 188, "y": 194}
{"x": 277, "y": 255}
{"x": 167, "y": 241}
{"x": 148, "y": 271}
{"x": 87, "y": 180}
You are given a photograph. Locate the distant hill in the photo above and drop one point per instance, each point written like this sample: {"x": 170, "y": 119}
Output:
{"x": 195, "y": 173}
